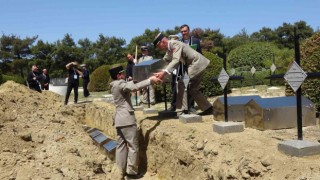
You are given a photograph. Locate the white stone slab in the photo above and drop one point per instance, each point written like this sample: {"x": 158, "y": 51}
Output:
{"x": 299, "y": 148}
{"x": 227, "y": 127}
{"x": 190, "y": 118}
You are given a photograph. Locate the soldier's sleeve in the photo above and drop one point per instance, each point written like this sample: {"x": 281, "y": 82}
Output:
{"x": 176, "y": 56}
{"x": 132, "y": 87}
{"x": 167, "y": 58}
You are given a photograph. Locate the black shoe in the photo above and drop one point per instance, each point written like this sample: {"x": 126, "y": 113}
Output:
{"x": 184, "y": 112}
{"x": 134, "y": 176}
{"x": 208, "y": 111}
{"x": 192, "y": 110}
{"x": 173, "y": 109}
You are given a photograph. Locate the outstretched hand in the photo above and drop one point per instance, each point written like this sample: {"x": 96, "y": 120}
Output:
{"x": 155, "y": 80}
{"x": 160, "y": 74}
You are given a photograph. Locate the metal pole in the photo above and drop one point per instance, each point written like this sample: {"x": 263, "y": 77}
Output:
{"x": 298, "y": 92}
{"x": 136, "y": 98}
{"x": 225, "y": 91}
{"x": 165, "y": 96}
{"x": 148, "y": 93}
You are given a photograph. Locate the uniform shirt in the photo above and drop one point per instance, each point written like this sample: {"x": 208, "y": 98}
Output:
{"x": 121, "y": 92}
{"x": 144, "y": 58}
{"x": 180, "y": 52}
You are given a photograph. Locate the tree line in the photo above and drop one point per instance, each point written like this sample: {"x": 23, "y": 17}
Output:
{"x": 18, "y": 54}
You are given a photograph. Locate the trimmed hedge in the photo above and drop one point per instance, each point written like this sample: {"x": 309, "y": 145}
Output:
{"x": 310, "y": 62}
{"x": 100, "y": 78}
{"x": 17, "y": 79}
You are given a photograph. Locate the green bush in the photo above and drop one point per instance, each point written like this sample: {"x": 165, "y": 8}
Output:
{"x": 260, "y": 55}
{"x": 15, "y": 78}
{"x": 1, "y": 78}
{"x": 209, "y": 87}
{"x": 100, "y": 78}
{"x": 310, "y": 55}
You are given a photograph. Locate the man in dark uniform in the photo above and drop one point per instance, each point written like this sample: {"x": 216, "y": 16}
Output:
{"x": 45, "y": 80}
{"x": 130, "y": 64}
{"x": 127, "y": 151}
{"x": 33, "y": 79}
{"x": 73, "y": 81}
{"x": 86, "y": 80}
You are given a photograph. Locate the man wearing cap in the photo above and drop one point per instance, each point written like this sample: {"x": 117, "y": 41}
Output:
{"x": 86, "y": 80}
{"x": 176, "y": 52}
{"x": 144, "y": 97}
{"x": 127, "y": 157}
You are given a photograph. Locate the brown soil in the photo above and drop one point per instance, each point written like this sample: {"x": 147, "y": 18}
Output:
{"x": 40, "y": 138}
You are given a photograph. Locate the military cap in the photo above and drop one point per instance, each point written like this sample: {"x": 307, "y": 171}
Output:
{"x": 174, "y": 37}
{"x": 144, "y": 48}
{"x": 114, "y": 71}
{"x": 157, "y": 39}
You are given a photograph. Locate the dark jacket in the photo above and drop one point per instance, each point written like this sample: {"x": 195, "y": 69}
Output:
{"x": 193, "y": 40}
{"x": 129, "y": 71}
{"x": 85, "y": 75}
{"x": 71, "y": 73}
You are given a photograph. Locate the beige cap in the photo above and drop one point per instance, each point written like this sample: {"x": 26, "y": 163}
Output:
{"x": 173, "y": 37}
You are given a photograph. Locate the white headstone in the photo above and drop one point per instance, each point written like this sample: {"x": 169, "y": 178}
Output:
{"x": 295, "y": 76}
{"x": 223, "y": 78}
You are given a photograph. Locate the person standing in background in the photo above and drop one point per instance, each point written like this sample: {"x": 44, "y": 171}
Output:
{"x": 45, "y": 80}
{"x": 86, "y": 80}
{"x": 34, "y": 78}
{"x": 73, "y": 81}
{"x": 130, "y": 64}
{"x": 144, "y": 97}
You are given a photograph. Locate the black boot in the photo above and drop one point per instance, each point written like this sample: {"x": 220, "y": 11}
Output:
{"x": 208, "y": 111}
{"x": 172, "y": 108}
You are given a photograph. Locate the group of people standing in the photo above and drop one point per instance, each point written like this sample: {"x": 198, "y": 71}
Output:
{"x": 40, "y": 81}
{"x": 74, "y": 74}
{"x": 184, "y": 59}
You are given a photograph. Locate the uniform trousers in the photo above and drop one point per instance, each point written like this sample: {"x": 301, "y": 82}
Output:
{"x": 72, "y": 85}
{"x": 127, "y": 151}
{"x": 194, "y": 91}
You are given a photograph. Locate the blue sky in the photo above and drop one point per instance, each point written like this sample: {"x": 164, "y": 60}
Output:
{"x": 51, "y": 20}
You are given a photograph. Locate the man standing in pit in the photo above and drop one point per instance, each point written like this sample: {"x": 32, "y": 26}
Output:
{"x": 127, "y": 151}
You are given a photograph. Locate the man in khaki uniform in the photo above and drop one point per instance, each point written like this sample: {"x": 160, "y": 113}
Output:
{"x": 196, "y": 63}
{"x": 125, "y": 121}
{"x": 144, "y": 97}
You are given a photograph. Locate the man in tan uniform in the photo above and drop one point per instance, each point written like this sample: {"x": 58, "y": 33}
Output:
{"x": 196, "y": 63}
{"x": 144, "y": 96}
{"x": 125, "y": 121}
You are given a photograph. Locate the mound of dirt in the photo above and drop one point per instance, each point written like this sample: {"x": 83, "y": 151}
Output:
{"x": 40, "y": 138}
